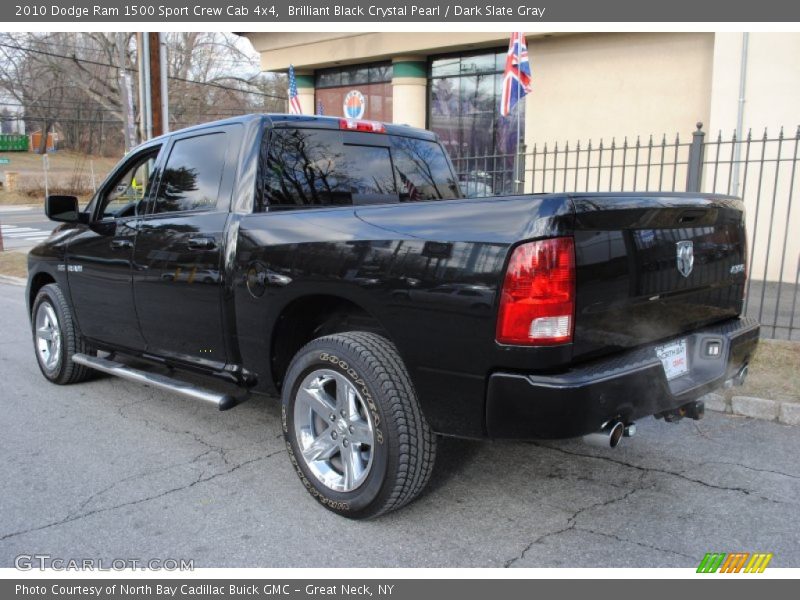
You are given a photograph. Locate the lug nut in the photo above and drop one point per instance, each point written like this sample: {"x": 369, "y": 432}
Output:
{"x": 333, "y": 417}
{"x": 343, "y": 413}
{"x": 345, "y": 443}
{"x": 351, "y": 429}
{"x": 334, "y": 435}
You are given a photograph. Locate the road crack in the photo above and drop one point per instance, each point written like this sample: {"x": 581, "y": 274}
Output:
{"x": 678, "y": 474}
{"x": 572, "y": 521}
{"x": 201, "y": 479}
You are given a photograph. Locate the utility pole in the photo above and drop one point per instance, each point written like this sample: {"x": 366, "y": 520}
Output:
{"x": 154, "y": 48}
{"x": 164, "y": 71}
{"x": 143, "y": 64}
{"x": 153, "y": 96}
{"x": 126, "y": 95}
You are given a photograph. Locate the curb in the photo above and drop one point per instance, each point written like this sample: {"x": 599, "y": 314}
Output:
{"x": 9, "y": 280}
{"x": 787, "y": 413}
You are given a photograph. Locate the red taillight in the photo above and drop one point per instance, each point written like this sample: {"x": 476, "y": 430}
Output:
{"x": 358, "y": 125}
{"x": 537, "y": 304}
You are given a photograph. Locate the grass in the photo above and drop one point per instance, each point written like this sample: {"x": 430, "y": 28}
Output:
{"x": 68, "y": 172}
{"x": 774, "y": 372}
{"x": 14, "y": 264}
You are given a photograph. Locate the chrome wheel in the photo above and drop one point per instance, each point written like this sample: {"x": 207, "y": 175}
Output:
{"x": 48, "y": 336}
{"x": 334, "y": 430}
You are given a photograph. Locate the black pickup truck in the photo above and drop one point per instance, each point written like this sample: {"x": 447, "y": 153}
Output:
{"x": 334, "y": 262}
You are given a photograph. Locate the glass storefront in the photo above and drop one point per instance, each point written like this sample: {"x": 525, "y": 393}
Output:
{"x": 464, "y": 110}
{"x": 359, "y": 92}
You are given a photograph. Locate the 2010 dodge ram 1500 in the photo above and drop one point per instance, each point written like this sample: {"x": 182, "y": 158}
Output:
{"x": 336, "y": 263}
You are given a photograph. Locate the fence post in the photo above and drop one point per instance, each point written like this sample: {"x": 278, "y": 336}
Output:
{"x": 694, "y": 174}
{"x": 519, "y": 184}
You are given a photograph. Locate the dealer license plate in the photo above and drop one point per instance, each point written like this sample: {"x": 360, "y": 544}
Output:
{"x": 673, "y": 357}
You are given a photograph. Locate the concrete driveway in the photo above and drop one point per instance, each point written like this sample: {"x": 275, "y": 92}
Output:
{"x": 113, "y": 470}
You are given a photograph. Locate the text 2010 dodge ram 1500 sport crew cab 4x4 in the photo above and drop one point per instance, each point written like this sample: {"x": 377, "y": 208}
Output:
{"x": 336, "y": 263}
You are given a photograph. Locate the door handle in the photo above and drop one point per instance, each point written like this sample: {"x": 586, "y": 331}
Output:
{"x": 121, "y": 244}
{"x": 202, "y": 243}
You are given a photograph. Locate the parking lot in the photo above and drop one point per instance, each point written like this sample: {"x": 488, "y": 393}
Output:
{"x": 110, "y": 469}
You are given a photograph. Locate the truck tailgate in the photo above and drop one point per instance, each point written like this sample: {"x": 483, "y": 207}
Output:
{"x": 652, "y": 266}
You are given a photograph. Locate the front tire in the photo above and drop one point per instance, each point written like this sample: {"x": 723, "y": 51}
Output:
{"x": 353, "y": 427}
{"x": 55, "y": 337}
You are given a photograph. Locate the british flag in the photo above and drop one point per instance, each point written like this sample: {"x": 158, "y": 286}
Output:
{"x": 517, "y": 75}
{"x": 294, "y": 100}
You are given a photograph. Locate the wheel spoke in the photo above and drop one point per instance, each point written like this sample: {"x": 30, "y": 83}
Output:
{"x": 351, "y": 464}
{"x": 45, "y": 333}
{"x": 318, "y": 399}
{"x": 322, "y": 448}
{"x": 343, "y": 393}
{"x": 352, "y": 404}
{"x": 361, "y": 433}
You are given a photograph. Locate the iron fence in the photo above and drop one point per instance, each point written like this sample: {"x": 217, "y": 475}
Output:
{"x": 760, "y": 168}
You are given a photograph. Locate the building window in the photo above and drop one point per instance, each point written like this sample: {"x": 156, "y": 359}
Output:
{"x": 359, "y": 91}
{"x": 464, "y": 110}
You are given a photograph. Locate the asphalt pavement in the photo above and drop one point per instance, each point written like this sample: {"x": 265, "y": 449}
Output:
{"x": 22, "y": 227}
{"x": 113, "y": 470}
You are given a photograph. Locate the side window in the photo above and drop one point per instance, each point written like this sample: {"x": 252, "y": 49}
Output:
{"x": 313, "y": 167}
{"x": 192, "y": 174}
{"x": 423, "y": 172}
{"x": 124, "y": 196}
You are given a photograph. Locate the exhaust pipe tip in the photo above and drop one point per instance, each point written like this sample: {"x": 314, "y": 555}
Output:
{"x": 609, "y": 436}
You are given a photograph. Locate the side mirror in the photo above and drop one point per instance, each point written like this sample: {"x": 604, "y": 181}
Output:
{"x": 63, "y": 208}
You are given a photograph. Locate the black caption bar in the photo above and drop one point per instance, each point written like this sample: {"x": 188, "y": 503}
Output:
{"x": 365, "y": 589}
{"x": 383, "y": 11}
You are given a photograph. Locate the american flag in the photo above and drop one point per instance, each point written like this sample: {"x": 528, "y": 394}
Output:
{"x": 517, "y": 75}
{"x": 294, "y": 100}
{"x": 408, "y": 187}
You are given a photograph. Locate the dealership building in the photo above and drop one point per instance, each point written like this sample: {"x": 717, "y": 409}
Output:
{"x": 585, "y": 85}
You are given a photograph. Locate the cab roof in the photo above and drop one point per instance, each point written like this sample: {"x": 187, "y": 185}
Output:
{"x": 279, "y": 120}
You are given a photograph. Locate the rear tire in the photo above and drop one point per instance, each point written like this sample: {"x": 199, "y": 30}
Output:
{"x": 56, "y": 338}
{"x": 353, "y": 427}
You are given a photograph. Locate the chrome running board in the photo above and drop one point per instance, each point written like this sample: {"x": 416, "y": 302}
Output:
{"x": 218, "y": 399}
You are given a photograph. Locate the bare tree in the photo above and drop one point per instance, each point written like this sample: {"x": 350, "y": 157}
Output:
{"x": 70, "y": 82}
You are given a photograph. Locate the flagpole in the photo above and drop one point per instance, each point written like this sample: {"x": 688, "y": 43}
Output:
{"x": 516, "y": 154}
{"x": 519, "y": 86}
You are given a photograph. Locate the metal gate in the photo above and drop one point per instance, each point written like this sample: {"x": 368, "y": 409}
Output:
{"x": 761, "y": 169}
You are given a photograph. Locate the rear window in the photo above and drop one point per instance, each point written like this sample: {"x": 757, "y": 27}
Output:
{"x": 316, "y": 167}
{"x": 423, "y": 172}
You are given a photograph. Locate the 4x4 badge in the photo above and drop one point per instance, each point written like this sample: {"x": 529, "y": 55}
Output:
{"x": 685, "y": 257}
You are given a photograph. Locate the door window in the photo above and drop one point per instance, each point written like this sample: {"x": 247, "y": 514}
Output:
{"x": 192, "y": 174}
{"x": 125, "y": 195}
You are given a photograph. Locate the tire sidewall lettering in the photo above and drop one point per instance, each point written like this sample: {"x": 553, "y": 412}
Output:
{"x": 334, "y": 504}
{"x": 361, "y": 385}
